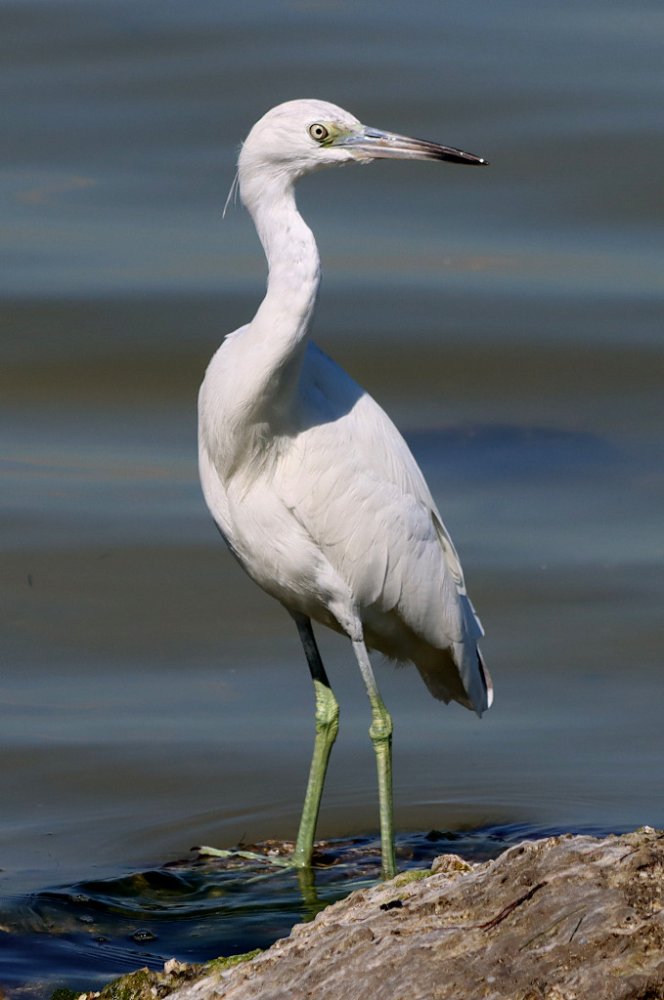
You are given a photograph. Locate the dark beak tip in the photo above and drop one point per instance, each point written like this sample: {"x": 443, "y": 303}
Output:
{"x": 466, "y": 159}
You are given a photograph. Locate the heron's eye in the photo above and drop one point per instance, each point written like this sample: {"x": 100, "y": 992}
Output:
{"x": 318, "y": 132}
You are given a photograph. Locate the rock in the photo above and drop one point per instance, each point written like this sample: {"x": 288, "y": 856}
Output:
{"x": 566, "y": 918}
{"x": 144, "y": 984}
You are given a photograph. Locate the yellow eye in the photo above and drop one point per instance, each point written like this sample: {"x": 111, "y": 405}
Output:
{"x": 318, "y": 132}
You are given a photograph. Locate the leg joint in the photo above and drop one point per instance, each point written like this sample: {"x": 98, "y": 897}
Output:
{"x": 327, "y": 709}
{"x": 380, "y": 730}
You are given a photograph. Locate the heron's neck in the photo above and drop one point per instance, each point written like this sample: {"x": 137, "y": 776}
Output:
{"x": 280, "y": 327}
{"x": 291, "y": 251}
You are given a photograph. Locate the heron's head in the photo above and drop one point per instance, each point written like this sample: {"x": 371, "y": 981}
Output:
{"x": 300, "y": 136}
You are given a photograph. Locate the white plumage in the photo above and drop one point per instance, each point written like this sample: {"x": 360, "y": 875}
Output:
{"x": 311, "y": 485}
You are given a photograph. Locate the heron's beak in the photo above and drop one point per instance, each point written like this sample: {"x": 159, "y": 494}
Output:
{"x": 372, "y": 143}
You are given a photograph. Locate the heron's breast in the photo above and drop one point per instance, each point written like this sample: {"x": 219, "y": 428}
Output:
{"x": 276, "y": 549}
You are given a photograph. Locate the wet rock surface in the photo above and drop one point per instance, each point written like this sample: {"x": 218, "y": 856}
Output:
{"x": 565, "y": 918}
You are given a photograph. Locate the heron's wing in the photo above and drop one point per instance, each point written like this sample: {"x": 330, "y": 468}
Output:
{"x": 351, "y": 480}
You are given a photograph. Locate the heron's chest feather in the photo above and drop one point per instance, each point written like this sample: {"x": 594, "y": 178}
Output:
{"x": 232, "y": 428}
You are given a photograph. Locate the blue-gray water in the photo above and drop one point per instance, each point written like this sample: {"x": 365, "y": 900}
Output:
{"x": 509, "y": 319}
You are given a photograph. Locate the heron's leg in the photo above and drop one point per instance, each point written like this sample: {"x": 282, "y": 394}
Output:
{"x": 381, "y": 737}
{"x": 327, "y": 725}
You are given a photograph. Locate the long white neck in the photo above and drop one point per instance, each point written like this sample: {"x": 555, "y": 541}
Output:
{"x": 277, "y": 335}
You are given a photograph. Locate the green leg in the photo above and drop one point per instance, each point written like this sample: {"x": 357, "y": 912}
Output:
{"x": 380, "y": 732}
{"x": 327, "y": 726}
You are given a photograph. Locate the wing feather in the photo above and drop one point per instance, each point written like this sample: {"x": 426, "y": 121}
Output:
{"x": 351, "y": 480}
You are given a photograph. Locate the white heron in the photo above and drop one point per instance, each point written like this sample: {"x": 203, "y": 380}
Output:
{"x": 312, "y": 487}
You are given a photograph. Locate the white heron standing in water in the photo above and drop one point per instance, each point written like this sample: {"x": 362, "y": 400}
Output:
{"x": 311, "y": 485}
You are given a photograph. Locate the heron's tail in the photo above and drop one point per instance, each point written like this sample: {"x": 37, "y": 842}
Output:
{"x": 459, "y": 674}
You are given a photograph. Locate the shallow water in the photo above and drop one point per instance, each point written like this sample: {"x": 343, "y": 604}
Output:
{"x": 509, "y": 319}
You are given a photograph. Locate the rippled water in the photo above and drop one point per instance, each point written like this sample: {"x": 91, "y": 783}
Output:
{"x": 509, "y": 319}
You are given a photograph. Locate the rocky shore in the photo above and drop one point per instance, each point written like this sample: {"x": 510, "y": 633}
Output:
{"x": 565, "y": 918}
